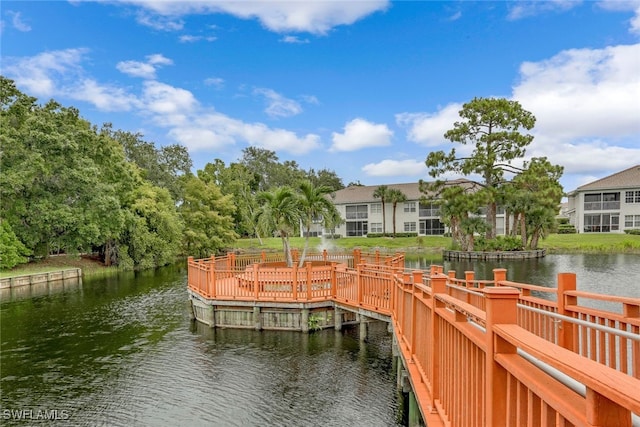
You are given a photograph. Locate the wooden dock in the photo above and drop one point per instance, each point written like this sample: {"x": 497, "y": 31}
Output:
{"x": 475, "y": 352}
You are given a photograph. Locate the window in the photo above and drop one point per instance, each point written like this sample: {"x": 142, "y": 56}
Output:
{"x": 376, "y": 208}
{"x": 595, "y": 223}
{"x": 375, "y": 227}
{"x": 592, "y": 202}
{"x": 356, "y": 228}
{"x": 429, "y": 209}
{"x": 409, "y": 206}
{"x": 431, "y": 227}
{"x": 610, "y": 201}
{"x": 632, "y": 197}
{"x": 356, "y": 212}
{"x": 632, "y": 221}
{"x": 601, "y": 201}
{"x": 409, "y": 227}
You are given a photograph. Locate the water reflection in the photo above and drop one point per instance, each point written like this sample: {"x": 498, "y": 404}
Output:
{"x": 121, "y": 351}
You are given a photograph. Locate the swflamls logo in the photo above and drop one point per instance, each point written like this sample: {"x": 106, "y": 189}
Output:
{"x": 35, "y": 414}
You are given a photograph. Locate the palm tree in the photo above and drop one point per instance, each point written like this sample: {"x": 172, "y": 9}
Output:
{"x": 313, "y": 203}
{"x": 395, "y": 196}
{"x": 279, "y": 212}
{"x": 382, "y": 193}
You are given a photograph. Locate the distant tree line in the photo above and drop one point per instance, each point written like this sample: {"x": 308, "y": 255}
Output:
{"x": 67, "y": 186}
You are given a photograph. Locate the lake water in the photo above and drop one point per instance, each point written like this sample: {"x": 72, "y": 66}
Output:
{"x": 121, "y": 351}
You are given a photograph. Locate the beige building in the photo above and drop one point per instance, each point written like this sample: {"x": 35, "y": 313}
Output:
{"x": 362, "y": 213}
{"x": 608, "y": 205}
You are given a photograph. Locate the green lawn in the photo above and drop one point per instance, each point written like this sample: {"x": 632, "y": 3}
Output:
{"x": 555, "y": 243}
{"x": 383, "y": 243}
{"x": 592, "y": 242}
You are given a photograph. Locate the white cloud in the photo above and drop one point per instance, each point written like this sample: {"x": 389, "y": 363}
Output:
{"x": 42, "y": 75}
{"x": 137, "y": 69}
{"x": 216, "y": 82}
{"x": 145, "y": 70}
{"x": 59, "y": 73}
{"x": 105, "y": 98}
{"x": 192, "y": 39}
{"x": 525, "y": 9}
{"x": 359, "y": 133}
{"x": 310, "y": 99}
{"x": 391, "y": 168}
{"x": 163, "y": 99}
{"x": 317, "y": 17}
{"x": 429, "y": 128}
{"x": 584, "y": 93}
{"x": 208, "y": 131}
{"x": 294, "y": 40}
{"x": 278, "y": 105}
{"x": 18, "y": 23}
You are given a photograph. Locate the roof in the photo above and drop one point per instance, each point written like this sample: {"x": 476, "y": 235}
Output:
{"x": 624, "y": 179}
{"x": 364, "y": 193}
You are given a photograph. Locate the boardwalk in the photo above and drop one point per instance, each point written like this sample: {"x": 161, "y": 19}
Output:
{"x": 477, "y": 352}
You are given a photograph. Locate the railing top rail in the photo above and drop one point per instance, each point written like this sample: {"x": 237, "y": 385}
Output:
{"x": 528, "y": 286}
{"x": 601, "y": 297}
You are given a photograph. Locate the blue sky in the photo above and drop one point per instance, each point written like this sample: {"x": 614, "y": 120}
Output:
{"x": 364, "y": 88}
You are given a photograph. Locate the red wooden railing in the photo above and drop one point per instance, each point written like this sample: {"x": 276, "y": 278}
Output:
{"x": 489, "y": 352}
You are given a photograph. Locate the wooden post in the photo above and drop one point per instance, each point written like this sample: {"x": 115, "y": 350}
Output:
{"x": 359, "y": 284}
{"x": 604, "y": 412}
{"x": 309, "y": 277}
{"x": 499, "y": 275}
{"x": 190, "y": 273}
{"x": 501, "y": 308}
{"x": 294, "y": 281}
{"x": 256, "y": 282}
{"x": 438, "y": 286}
{"x": 211, "y": 280}
{"x": 631, "y": 314}
{"x": 324, "y": 255}
{"x": 334, "y": 280}
{"x": 566, "y": 333}
{"x": 409, "y": 278}
{"x": 469, "y": 277}
{"x": 263, "y": 256}
{"x": 451, "y": 274}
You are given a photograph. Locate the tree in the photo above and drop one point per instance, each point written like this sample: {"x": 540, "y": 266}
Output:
{"x": 279, "y": 212}
{"x": 313, "y": 204}
{"x": 382, "y": 193}
{"x": 265, "y": 164}
{"x": 207, "y": 216}
{"x": 540, "y": 196}
{"x": 325, "y": 177}
{"x": 238, "y": 181}
{"x": 153, "y": 229}
{"x": 395, "y": 196}
{"x": 162, "y": 167}
{"x": 61, "y": 182}
{"x": 492, "y": 126}
{"x": 12, "y": 250}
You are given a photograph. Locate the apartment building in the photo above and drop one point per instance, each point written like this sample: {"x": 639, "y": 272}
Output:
{"x": 608, "y": 205}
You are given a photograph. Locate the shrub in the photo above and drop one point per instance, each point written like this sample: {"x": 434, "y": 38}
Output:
{"x": 500, "y": 243}
{"x": 634, "y": 231}
{"x": 566, "y": 229}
